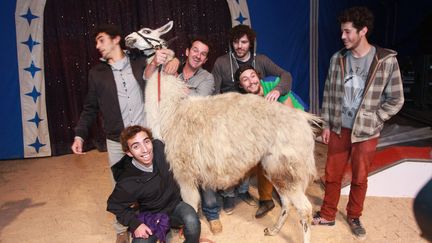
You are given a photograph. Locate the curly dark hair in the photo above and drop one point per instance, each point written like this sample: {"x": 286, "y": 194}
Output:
{"x": 239, "y": 31}
{"x": 130, "y": 132}
{"x": 360, "y": 17}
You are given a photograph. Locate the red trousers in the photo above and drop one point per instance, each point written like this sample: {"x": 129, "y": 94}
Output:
{"x": 340, "y": 151}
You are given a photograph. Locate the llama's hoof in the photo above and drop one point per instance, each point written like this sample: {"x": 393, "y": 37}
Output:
{"x": 270, "y": 231}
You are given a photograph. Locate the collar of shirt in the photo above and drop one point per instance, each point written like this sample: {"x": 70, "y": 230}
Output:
{"x": 141, "y": 167}
{"x": 120, "y": 64}
{"x": 181, "y": 75}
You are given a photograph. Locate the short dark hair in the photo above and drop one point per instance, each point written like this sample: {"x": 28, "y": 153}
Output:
{"x": 130, "y": 132}
{"x": 360, "y": 17}
{"x": 202, "y": 40}
{"x": 239, "y": 31}
{"x": 110, "y": 29}
{"x": 239, "y": 71}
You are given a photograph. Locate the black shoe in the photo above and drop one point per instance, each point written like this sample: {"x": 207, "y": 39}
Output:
{"x": 228, "y": 204}
{"x": 247, "y": 198}
{"x": 264, "y": 208}
{"x": 318, "y": 220}
{"x": 357, "y": 228}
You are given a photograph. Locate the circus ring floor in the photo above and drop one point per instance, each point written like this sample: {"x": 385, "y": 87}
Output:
{"x": 63, "y": 199}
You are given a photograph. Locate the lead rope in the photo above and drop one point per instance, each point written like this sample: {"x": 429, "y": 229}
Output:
{"x": 159, "y": 82}
{"x": 159, "y": 75}
{"x": 156, "y": 47}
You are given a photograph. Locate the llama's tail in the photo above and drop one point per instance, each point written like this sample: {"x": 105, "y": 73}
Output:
{"x": 314, "y": 121}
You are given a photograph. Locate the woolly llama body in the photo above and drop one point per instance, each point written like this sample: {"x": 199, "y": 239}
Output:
{"x": 214, "y": 141}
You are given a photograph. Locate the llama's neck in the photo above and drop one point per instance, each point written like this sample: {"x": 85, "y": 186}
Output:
{"x": 159, "y": 113}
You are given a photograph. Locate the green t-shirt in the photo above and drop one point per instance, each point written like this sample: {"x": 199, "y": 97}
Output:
{"x": 269, "y": 84}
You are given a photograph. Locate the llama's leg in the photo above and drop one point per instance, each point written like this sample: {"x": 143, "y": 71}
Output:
{"x": 295, "y": 195}
{"x": 190, "y": 194}
{"x": 281, "y": 186}
{"x": 304, "y": 208}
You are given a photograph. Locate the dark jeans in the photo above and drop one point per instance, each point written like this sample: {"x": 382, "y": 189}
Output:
{"x": 242, "y": 187}
{"x": 183, "y": 215}
{"x": 340, "y": 151}
{"x": 151, "y": 239}
{"x": 210, "y": 204}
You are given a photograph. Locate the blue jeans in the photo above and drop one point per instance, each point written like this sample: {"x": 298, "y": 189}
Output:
{"x": 243, "y": 187}
{"x": 183, "y": 215}
{"x": 209, "y": 204}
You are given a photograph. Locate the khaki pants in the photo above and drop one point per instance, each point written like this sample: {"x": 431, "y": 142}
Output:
{"x": 115, "y": 153}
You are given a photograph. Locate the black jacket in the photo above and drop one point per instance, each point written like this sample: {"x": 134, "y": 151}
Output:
{"x": 155, "y": 192}
{"x": 102, "y": 96}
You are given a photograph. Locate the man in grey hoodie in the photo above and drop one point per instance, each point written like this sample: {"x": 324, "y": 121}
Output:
{"x": 242, "y": 41}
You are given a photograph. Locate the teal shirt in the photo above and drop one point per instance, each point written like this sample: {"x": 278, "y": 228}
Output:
{"x": 270, "y": 83}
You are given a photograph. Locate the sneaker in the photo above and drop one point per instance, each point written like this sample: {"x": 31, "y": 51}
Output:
{"x": 264, "y": 208}
{"x": 215, "y": 226}
{"x": 318, "y": 220}
{"x": 123, "y": 237}
{"x": 228, "y": 204}
{"x": 247, "y": 198}
{"x": 356, "y": 227}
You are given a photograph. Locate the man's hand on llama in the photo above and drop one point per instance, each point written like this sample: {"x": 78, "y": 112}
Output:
{"x": 273, "y": 95}
{"x": 162, "y": 56}
{"x": 172, "y": 66}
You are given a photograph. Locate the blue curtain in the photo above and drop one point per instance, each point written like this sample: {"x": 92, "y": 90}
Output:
{"x": 283, "y": 35}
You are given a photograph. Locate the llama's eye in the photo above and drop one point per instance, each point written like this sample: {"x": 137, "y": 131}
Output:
{"x": 146, "y": 31}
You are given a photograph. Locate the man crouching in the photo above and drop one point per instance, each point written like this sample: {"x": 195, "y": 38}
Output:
{"x": 146, "y": 197}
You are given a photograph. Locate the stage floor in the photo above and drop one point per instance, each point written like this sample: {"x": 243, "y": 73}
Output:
{"x": 63, "y": 199}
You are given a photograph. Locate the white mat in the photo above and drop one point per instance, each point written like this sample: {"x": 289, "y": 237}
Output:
{"x": 404, "y": 179}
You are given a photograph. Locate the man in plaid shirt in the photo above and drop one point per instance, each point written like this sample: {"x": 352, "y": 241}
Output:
{"x": 363, "y": 89}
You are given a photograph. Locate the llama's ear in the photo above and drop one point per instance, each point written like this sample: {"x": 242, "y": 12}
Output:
{"x": 164, "y": 29}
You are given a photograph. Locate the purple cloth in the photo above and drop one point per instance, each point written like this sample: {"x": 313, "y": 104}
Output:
{"x": 157, "y": 222}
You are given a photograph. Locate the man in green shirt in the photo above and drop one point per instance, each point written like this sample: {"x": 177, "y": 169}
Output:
{"x": 248, "y": 80}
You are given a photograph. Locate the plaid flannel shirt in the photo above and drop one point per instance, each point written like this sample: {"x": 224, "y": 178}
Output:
{"x": 382, "y": 98}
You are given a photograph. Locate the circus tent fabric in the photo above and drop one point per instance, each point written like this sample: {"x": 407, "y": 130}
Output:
{"x": 300, "y": 36}
{"x": 24, "y": 124}
{"x": 25, "y": 132}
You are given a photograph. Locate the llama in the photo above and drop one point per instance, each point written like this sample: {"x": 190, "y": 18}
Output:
{"x": 214, "y": 141}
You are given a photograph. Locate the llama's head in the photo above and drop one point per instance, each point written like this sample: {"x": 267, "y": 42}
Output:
{"x": 147, "y": 40}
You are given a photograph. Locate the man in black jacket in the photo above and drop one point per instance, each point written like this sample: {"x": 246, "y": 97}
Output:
{"x": 116, "y": 89}
{"x": 144, "y": 179}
